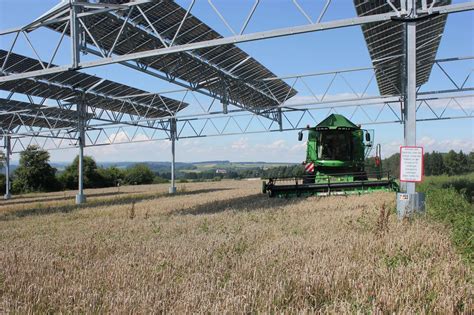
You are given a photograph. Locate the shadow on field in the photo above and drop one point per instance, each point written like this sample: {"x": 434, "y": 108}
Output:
{"x": 42, "y": 209}
{"x": 37, "y": 199}
{"x": 240, "y": 204}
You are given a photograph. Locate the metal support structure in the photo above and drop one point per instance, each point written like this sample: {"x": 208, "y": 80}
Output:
{"x": 75, "y": 49}
{"x": 101, "y": 126}
{"x": 256, "y": 36}
{"x": 409, "y": 201}
{"x": 173, "y": 138}
{"x": 81, "y": 111}
{"x": 7, "y": 167}
{"x": 280, "y": 119}
{"x": 410, "y": 94}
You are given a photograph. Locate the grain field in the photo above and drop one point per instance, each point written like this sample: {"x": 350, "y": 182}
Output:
{"x": 223, "y": 248}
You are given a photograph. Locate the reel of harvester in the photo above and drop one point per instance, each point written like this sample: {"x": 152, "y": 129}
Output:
{"x": 335, "y": 163}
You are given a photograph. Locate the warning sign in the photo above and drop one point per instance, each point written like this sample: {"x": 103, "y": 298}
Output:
{"x": 411, "y": 164}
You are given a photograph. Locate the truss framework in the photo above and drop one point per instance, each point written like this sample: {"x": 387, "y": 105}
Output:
{"x": 379, "y": 111}
{"x": 456, "y": 95}
{"x": 178, "y": 48}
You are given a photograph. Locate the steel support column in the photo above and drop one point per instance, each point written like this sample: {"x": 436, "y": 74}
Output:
{"x": 75, "y": 50}
{"x": 409, "y": 201}
{"x": 81, "y": 111}
{"x": 7, "y": 167}
{"x": 280, "y": 119}
{"x": 410, "y": 86}
{"x": 173, "y": 136}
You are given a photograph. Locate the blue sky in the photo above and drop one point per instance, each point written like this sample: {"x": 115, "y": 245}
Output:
{"x": 316, "y": 52}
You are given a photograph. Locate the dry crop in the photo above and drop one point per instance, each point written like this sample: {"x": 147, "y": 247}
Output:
{"x": 224, "y": 248}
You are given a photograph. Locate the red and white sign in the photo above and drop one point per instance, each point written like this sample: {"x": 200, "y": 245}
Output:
{"x": 309, "y": 167}
{"x": 411, "y": 164}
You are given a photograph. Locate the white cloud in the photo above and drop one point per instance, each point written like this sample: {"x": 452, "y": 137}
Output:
{"x": 276, "y": 145}
{"x": 427, "y": 141}
{"x": 240, "y": 144}
{"x": 429, "y": 144}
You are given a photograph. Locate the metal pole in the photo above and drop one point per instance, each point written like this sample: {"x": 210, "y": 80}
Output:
{"x": 80, "y": 197}
{"x": 409, "y": 201}
{"x": 173, "y": 135}
{"x": 280, "y": 119}
{"x": 7, "y": 167}
{"x": 410, "y": 94}
{"x": 75, "y": 56}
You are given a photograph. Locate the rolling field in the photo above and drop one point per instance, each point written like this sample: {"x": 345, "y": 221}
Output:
{"x": 221, "y": 247}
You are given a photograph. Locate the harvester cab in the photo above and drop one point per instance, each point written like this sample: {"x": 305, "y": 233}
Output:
{"x": 336, "y": 150}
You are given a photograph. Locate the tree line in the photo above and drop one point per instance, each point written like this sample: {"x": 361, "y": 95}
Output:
{"x": 293, "y": 170}
{"x": 35, "y": 174}
{"x": 435, "y": 163}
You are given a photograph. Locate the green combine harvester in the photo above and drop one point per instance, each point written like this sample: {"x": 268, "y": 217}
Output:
{"x": 335, "y": 163}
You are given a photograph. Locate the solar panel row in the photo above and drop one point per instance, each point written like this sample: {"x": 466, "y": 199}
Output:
{"x": 226, "y": 70}
{"x": 385, "y": 44}
{"x": 16, "y": 113}
{"x": 74, "y": 87}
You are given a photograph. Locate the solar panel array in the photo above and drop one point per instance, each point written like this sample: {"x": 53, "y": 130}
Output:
{"x": 225, "y": 70}
{"x": 16, "y": 113}
{"x": 75, "y": 87}
{"x": 385, "y": 40}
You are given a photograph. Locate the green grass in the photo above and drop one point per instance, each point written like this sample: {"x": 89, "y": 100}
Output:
{"x": 462, "y": 184}
{"x": 448, "y": 200}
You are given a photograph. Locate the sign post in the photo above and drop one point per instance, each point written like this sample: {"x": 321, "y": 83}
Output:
{"x": 411, "y": 171}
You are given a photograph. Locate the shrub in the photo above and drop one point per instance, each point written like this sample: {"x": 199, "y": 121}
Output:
{"x": 139, "y": 174}
{"x": 92, "y": 178}
{"x": 2, "y": 183}
{"x": 463, "y": 184}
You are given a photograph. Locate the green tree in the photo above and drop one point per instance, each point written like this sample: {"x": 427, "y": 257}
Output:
{"x": 456, "y": 163}
{"x": 111, "y": 176}
{"x": 434, "y": 164}
{"x": 139, "y": 174}
{"x": 470, "y": 159}
{"x": 437, "y": 164}
{"x": 3, "y": 183}
{"x": 34, "y": 172}
{"x": 427, "y": 160}
{"x": 92, "y": 178}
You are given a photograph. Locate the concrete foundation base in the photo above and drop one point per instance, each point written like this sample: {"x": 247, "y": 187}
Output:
{"x": 7, "y": 196}
{"x": 80, "y": 199}
{"x": 172, "y": 190}
{"x": 408, "y": 204}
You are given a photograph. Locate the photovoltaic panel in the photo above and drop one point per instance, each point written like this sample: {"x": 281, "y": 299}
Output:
{"x": 385, "y": 42}
{"x": 74, "y": 87}
{"x": 16, "y": 113}
{"x": 226, "y": 70}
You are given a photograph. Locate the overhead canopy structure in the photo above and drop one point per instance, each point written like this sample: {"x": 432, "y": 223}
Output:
{"x": 385, "y": 43}
{"x": 16, "y": 113}
{"x": 75, "y": 87}
{"x": 225, "y": 71}
{"x": 166, "y": 41}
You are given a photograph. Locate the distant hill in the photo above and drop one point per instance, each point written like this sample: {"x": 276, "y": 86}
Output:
{"x": 184, "y": 167}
